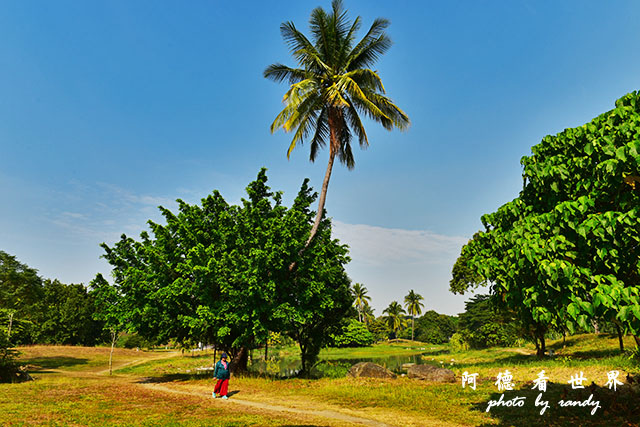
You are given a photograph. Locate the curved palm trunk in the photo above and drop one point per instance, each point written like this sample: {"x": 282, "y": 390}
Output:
{"x": 323, "y": 197}
{"x": 334, "y": 145}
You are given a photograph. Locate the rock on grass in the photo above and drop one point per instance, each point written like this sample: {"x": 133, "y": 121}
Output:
{"x": 431, "y": 373}
{"x": 370, "y": 370}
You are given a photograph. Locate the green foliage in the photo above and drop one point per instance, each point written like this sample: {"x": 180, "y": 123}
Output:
{"x": 65, "y": 316}
{"x": 379, "y": 328}
{"x": 395, "y": 318}
{"x": 20, "y": 292}
{"x": 353, "y": 334}
{"x": 566, "y": 250}
{"x": 464, "y": 277}
{"x": 434, "y": 328}
{"x": 461, "y": 340}
{"x": 133, "y": 341}
{"x": 478, "y": 312}
{"x": 219, "y": 273}
{"x": 8, "y": 365}
{"x": 492, "y": 335}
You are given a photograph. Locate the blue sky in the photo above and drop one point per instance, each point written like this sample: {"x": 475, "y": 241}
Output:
{"x": 109, "y": 109}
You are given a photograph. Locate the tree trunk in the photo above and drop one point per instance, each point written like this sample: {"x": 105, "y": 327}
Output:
{"x": 323, "y": 197}
{"x": 10, "y": 324}
{"x": 564, "y": 339}
{"x": 541, "y": 346}
{"x": 240, "y": 361}
{"x": 412, "y": 320}
{"x": 620, "y": 341}
{"x": 114, "y": 334}
{"x": 637, "y": 338}
{"x": 266, "y": 350}
{"x": 334, "y": 146}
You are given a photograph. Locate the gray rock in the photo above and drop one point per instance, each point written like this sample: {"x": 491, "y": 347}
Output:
{"x": 370, "y": 370}
{"x": 431, "y": 373}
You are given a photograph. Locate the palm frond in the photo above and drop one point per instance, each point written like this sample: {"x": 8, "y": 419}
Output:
{"x": 299, "y": 90}
{"x": 353, "y": 119}
{"x": 361, "y": 54}
{"x": 301, "y": 48}
{"x": 366, "y": 78}
{"x": 345, "y": 155}
{"x": 310, "y": 104}
{"x": 360, "y": 98}
{"x": 371, "y": 53}
{"x": 333, "y": 95}
{"x": 398, "y": 117}
{"x": 279, "y": 73}
{"x": 347, "y": 44}
{"x": 321, "y": 135}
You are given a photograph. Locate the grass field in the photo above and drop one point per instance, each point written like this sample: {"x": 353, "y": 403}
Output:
{"x": 162, "y": 388}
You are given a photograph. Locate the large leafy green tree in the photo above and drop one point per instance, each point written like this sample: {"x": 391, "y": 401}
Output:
{"x": 332, "y": 87}
{"x": 219, "y": 273}
{"x": 414, "y": 305}
{"x": 20, "y": 292}
{"x": 435, "y": 328}
{"x": 65, "y": 315}
{"x": 566, "y": 252}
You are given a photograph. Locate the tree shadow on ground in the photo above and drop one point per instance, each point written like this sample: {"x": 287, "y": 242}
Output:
{"x": 169, "y": 378}
{"x": 572, "y": 341}
{"x": 615, "y": 408}
{"x": 38, "y": 364}
{"x": 595, "y": 354}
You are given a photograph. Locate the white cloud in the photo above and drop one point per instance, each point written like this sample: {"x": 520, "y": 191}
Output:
{"x": 375, "y": 245}
{"x": 392, "y": 261}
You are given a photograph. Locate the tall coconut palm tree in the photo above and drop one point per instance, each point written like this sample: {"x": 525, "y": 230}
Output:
{"x": 362, "y": 299}
{"x": 394, "y": 317}
{"x": 414, "y": 307}
{"x": 332, "y": 86}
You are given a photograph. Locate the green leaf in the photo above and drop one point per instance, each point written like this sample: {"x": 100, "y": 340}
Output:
{"x": 588, "y": 149}
{"x": 620, "y": 154}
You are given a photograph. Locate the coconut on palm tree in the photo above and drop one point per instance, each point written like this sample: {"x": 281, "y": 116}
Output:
{"x": 395, "y": 319}
{"x": 332, "y": 87}
{"x": 361, "y": 299}
{"x": 414, "y": 307}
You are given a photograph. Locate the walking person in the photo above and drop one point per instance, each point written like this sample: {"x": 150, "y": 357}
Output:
{"x": 221, "y": 372}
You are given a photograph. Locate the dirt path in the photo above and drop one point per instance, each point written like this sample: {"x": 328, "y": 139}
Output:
{"x": 324, "y": 413}
{"x": 137, "y": 362}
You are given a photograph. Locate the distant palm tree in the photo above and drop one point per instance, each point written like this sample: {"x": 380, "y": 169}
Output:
{"x": 394, "y": 317}
{"x": 414, "y": 307}
{"x": 332, "y": 87}
{"x": 362, "y": 299}
{"x": 367, "y": 314}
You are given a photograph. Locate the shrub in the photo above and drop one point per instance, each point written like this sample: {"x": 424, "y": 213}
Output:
{"x": 493, "y": 335}
{"x": 460, "y": 340}
{"x": 133, "y": 341}
{"x": 10, "y": 371}
{"x": 354, "y": 334}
